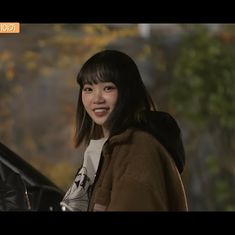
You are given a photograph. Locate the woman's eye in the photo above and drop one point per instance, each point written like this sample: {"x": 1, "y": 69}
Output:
{"x": 87, "y": 89}
{"x": 109, "y": 88}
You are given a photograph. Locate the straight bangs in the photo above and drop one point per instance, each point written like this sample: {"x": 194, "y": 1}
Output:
{"x": 95, "y": 73}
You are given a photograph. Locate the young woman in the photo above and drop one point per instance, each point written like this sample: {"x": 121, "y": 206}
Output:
{"x": 134, "y": 154}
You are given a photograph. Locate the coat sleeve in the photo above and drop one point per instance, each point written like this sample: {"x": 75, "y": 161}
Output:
{"x": 150, "y": 182}
{"x": 131, "y": 195}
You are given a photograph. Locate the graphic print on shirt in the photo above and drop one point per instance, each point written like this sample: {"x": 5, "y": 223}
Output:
{"x": 76, "y": 198}
{"x": 81, "y": 180}
{"x": 78, "y": 195}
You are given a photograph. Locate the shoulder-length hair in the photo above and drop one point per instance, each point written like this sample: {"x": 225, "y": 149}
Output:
{"x": 133, "y": 98}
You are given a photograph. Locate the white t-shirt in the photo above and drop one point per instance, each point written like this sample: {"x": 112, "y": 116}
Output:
{"x": 77, "y": 196}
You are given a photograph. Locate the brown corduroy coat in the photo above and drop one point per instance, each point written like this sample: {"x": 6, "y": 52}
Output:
{"x": 136, "y": 173}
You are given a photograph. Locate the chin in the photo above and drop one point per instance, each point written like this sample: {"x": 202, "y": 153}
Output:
{"x": 100, "y": 123}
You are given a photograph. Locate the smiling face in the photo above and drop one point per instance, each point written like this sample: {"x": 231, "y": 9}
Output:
{"x": 99, "y": 101}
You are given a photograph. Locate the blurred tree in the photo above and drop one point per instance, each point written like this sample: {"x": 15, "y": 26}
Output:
{"x": 204, "y": 84}
{"x": 203, "y": 91}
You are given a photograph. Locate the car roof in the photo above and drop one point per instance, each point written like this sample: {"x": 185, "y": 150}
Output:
{"x": 30, "y": 174}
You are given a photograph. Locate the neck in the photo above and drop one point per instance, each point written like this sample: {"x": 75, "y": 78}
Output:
{"x": 105, "y": 132}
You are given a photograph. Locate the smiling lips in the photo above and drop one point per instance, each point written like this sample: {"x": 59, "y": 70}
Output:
{"x": 100, "y": 112}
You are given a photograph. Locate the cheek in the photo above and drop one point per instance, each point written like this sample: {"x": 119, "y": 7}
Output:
{"x": 111, "y": 99}
{"x": 114, "y": 99}
{"x": 85, "y": 100}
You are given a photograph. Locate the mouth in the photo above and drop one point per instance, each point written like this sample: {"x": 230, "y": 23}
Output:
{"x": 100, "y": 111}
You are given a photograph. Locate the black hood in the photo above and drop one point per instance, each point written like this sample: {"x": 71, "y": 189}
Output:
{"x": 166, "y": 130}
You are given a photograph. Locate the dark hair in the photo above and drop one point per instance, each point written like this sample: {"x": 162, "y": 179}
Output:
{"x": 133, "y": 98}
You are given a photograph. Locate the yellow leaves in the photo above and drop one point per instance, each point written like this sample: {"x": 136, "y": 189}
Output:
{"x": 77, "y": 45}
{"x": 41, "y": 43}
{"x": 7, "y": 65}
{"x": 10, "y": 71}
{"x": 31, "y": 65}
{"x": 64, "y": 61}
{"x": 65, "y": 47}
{"x": 6, "y": 128}
{"x": 10, "y": 74}
{"x": 29, "y": 141}
{"x": 62, "y": 39}
{"x": 17, "y": 89}
{"x": 146, "y": 51}
{"x": 100, "y": 35}
{"x": 94, "y": 28}
{"x": 5, "y": 56}
{"x": 46, "y": 71}
{"x": 61, "y": 173}
{"x": 29, "y": 55}
{"x": 57, "y": 27}
{"x": 30, "y": 58}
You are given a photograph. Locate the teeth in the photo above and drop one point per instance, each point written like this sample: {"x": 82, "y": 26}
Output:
{"x": 99, "y": 110}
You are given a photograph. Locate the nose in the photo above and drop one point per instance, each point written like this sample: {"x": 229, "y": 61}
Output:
{"x": 98, "y": 97}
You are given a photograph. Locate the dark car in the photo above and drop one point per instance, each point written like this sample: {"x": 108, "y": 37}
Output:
{"x": 24, "y": 188}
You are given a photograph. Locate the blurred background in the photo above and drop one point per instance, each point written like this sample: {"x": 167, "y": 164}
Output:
{"x": 188, "y": 68}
